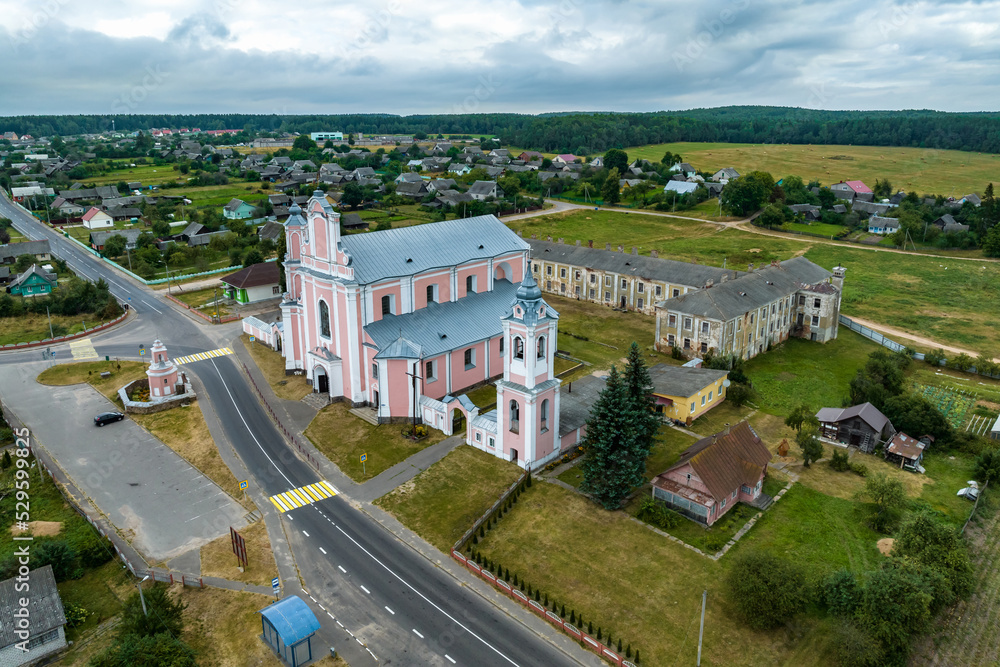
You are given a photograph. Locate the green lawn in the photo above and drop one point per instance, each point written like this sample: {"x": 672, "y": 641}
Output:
{"x": 949, "y": 473}
{"x": 801, "y": 371}
{"x": 442, "y": 502}
{"x": 716, "y": 419}
{"x": 646, "y": 589}
{"x": 33, "y": 327}
{"x": 343, "y": 438}
{"x": 608, "y": 332}
{"x": 95, "y": 591}
{"x": 815, "y": 228}
{"x": 922, "y": 169}
{"x": 905, "y": 291}
{"x": 146, "y": 174}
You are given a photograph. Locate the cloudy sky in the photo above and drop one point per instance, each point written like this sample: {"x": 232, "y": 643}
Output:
{"x": 531, "y": 56}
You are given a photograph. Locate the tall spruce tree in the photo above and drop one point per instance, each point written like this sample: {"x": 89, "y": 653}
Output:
{"x": 639, "y": 386}
{"x": 615, "y": 459}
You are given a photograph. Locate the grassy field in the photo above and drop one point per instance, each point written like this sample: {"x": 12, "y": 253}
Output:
{"x": 90, "y": 372}
{"x": 440, "y": 505}
{"x": 815, "y": 228}
{"x": 272, "y": 365}
{"x": 32, "y": 327}
{"x": 647, "y": 590}
{"x": 146, "y": 174}
{"x": 223, "y": 627}
{"x": 609, "y": 334}
{"x": 343, "y": 438}
{"x": 949, "y": 173}
{"x": 890, "y": 288}
{"x": 218, "y": 560}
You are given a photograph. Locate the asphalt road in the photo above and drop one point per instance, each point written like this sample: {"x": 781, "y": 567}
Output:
{"x": 410, "y": 611}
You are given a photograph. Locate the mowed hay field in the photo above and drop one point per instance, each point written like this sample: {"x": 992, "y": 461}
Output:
{"x": 948, "y": 300}
{"x": 926, "y": 170}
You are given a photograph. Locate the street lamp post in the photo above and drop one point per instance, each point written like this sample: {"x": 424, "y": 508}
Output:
{"x": 142, "y": 598}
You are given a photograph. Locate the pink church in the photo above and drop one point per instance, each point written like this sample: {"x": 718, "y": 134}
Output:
{"x": 404, "y": 320}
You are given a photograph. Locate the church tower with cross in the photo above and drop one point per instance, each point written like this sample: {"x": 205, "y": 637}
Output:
{"x": 528, "y": 395}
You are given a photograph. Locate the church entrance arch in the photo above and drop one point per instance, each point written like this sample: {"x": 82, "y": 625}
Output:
{"x": 322, "y": 383}
{"x": 458, "y": 421}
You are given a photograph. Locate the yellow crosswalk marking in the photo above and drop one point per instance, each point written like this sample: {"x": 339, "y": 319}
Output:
{"x": 83, "y": 349}
{"x": 302, "y": 496}
{"x": 202, "y": 356}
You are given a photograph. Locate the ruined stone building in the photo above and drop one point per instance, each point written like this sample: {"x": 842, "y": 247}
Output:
{"x": 745, "y": 314}
{"x": 629, "y": 281}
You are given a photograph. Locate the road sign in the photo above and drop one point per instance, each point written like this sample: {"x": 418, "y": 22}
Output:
{"x": 243, "y": 485}
{"x": 275, "y": 586}
{"x": 253, "y": 338}
{"x": 364, "y": 457}
{"x": 142, "y": 353}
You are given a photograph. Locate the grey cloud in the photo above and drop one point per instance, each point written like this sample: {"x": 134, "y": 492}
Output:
{"x": 200, "y": 28}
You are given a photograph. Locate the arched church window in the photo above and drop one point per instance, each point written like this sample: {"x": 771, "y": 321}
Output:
{"x": 518, "y": 348}
{"x": 515, "y": 416}
{"x": 324, "y": 319}
{"x": 541, "y": 348}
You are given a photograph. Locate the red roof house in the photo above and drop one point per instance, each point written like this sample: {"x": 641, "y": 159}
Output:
{"x": 716, "y": 473}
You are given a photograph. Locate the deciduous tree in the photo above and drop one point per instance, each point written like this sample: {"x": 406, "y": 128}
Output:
{"x": 616, "y": 158}
{"x": 765, "y": 590}
{"x": 610, "y": 191}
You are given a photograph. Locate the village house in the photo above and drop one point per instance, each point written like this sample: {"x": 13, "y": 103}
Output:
{"x": 237, "y": 209}
{"x": 905, "y": 451}
{"x": 862, "y": 426}
{"x": 40, "y": 250}
{"x": 716, "y": 473}
{"x": 95, "y": 218}
{"x": 684, "y": 393}
{"x": 100, "y": 238}
{"x": 684, "y": 169}
{"x": 725, "y": 175}
{"x": 33, "y": 282}
{"x": 257, "y": 282}
{"x": 483, "y": 190}
{"x": 745, "y": 315}
{"x": 626, "y": 281}
{"x": 564, "y": 158}
{"x": 879, "y": 225}
{"x": 44, "y": 608}
{"x": 680, "y": 187}
{"x": 948, "y": 225}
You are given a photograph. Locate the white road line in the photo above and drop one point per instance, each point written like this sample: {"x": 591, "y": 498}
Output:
{"x": 355, "y": 542}
{"x": 425, "y": 598}
{"x": 390, "y": 611}
{"x": 342, "y": 569}
{"x": 330, "y": 615}
{"x": 152, "y": 306}
{"x": 450, "y": 659}
{"x": 321, "y": 606}
{"x": 366, "y": 590}
{"x": 323, "y": 550}
{"x": 288, "y": 516}
{"x": 417, "y": 633}
{"x": 243, "y": 419}
{"x": 338, "y": 622}
{"x": 305, "y": 533}
{"x": 312, "y": 598}
{"x": 370, "y": 651}
{"x": 358, "y": 641}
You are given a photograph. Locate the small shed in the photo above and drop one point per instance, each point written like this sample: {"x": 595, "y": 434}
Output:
{"x": 906, "y": 451}
{"x": 288, "y": 627}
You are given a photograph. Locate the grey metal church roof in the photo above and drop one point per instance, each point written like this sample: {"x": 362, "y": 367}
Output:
{"x": 410, "y": 250}
{"x": 753, "y": 290}
{"x": 442, "y": 327}
{"x": 640, "y": 266}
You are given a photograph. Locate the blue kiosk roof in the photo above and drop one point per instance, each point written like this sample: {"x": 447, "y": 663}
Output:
{"x": 292, "y": 619}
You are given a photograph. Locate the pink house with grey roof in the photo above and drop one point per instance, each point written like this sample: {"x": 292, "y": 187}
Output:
{"x": 404, "y": 320}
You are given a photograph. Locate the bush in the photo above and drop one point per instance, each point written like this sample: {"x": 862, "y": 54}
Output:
{"x": 61, "y": 556}
{"x": 739, "y": 394}
{"x": 657, "y": 514}
{"x": 987, "y": 466}
{"x": 765, "y": 590}
{"x": 935, "y": 358}
{"x": 859, "y": 469}
{"x": 853, "y": 646}
{"x": 841, "y": 593}
{"x": 840, "y": 462}
{"x": 75, "y": 614}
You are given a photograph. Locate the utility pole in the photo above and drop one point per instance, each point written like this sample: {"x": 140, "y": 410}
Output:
{"x": 49, "y": 315}
{"x": 701, "y": 632}
{"x": 216, "y": 293}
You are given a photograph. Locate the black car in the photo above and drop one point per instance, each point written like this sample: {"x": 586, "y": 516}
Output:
{"x": 108, "y": 417}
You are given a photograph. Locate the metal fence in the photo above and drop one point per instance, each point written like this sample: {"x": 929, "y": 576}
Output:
{"x": 873, "y": 335}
